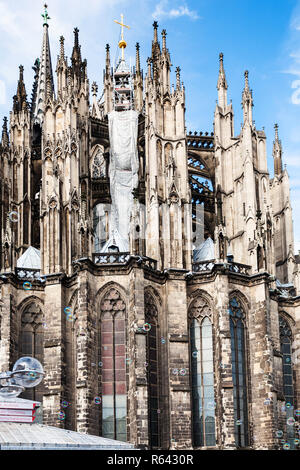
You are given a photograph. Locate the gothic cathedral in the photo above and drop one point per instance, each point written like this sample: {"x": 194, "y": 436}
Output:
{"x": 150, "y": 270}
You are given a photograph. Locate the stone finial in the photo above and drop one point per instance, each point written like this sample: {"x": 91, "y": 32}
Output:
{"x": 164, "y": 43}
{"x": 149, "y": 67}
{"x": 276, "y": 131}
{"x": 177, "y": 77}
{"x": 137, "y": 58}
{"x": 62, "y": 47}
{"x": 94, "y": 89}
{"x": 155, "y": 26}
{"x": 5, "y": 137}
{"x": 222, "y": 83}
{"x": 76, "y": 37}
{"x": 246, "y": 79}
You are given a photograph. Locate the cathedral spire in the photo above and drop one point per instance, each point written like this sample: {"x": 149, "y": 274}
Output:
{"x": 45, "y": 76}
{"x": 247, "y": 100}
{"x": 5, "y": 137}
{"x": 277, "y": 153}
{"x": 222, "y": 84}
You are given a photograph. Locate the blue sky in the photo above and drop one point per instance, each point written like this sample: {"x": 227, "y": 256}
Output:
{"x": 261, "y": 36}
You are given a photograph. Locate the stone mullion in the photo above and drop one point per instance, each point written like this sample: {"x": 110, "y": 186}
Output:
{"x": 179, "y": 385}
{"x": 53, "y": 354}
{"x": 84, "y": 386}
{"x": 261, "y": 372}
{"x": 137, "y": 372}
{"x": 224, "y": 365}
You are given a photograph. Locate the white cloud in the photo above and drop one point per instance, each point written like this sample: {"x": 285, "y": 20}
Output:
{"x": 162, "y": 10}
{"x": 296, "y": 95}
{"x": 2, "y": 92}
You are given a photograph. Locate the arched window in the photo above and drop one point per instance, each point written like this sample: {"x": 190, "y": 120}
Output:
{"x": 286, "y": 349}
{"x": 32, "y": 344}
{"x": 152, "y": 372}
{"x": 202, "y": 367}
{"x": 113, "y": 370}
{"x": 286, "y": 340}
{"x": 239, "y": 372}
{"x": 71, "y": 366}
{"x": 99, "y": 165}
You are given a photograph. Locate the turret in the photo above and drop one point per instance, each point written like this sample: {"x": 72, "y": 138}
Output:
{"x": 222, "y": 85}
{"x": 247, "y": 101}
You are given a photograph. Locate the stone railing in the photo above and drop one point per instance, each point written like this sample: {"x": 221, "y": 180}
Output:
{"x": 122, "y": 258}
{"x": 201, "y": 141}
{"x": 202, "y": 266}
{"x": 239, "y": 268}
{"x": 27, "y": 273}
{"x": 111, "y": 258}
{"x": 149, "y": 262}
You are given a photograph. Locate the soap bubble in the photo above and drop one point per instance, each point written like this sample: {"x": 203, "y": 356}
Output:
{"x": 147, "y": 327}
{"x": 14, "y": 216}
{"x": 175, "y": 371}
{"x": 182, "y": 371}
{"x": 9, "y": 388}
{"x": 65, "y": 404}
{"x": 28, "y": 372}
{"x": 279, "y": 434}
{"x": 97, "y": 400}
{"x": 195, "y": 354}
{"x": 290, "y": 421}
{"x": 61, "y": 415}
{"x": 286, "y": 446}
{"x": 238, "y": 422}
{"x": 27, "y": 285}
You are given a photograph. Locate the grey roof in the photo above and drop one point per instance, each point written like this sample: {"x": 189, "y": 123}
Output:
{"x": 205, "y": 252}
{"x": 32, "y": 436}
{"x": 30, "y": 259}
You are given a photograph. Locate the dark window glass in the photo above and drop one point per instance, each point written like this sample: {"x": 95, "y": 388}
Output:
{"x": 202, "y": 383}
{"x": 152, "y": 373}
{"x": 113, "y": 370}
{"x": 288, "y": 389}
{"x": 239, "y": 373}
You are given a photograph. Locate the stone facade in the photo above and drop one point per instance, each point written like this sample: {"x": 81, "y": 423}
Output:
{"x": 54, "y": 172}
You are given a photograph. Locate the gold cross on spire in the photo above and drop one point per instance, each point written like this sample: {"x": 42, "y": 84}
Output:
{"x": 122, "y": 43}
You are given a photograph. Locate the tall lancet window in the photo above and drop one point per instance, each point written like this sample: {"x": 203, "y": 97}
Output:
{"x": 202, "y": 366}
{"x": 99, "y": 165}
{"x": 113, "y": 369}
{"x": 31, "y": 342}
{"x": 286, "y": 340}
{"x": 239, "y": 372}
{"x": 71, "y": 348}
{"x": 151, "y": 318}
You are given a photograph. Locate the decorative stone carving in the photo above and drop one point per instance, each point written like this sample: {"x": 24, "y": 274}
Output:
{"x": 200, "y": 308}
{"x": 112, "y": 302}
